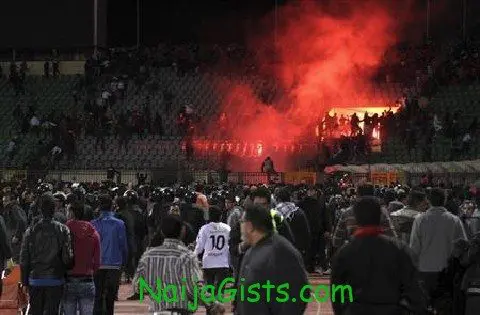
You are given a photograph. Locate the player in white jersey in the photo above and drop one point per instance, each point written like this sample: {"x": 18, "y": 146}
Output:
{"x": 212, "y": 241}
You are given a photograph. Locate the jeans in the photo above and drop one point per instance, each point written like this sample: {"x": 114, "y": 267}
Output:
{"x": 45, "y": 300}
{"x": 79, "y": 296}
{"x": 106, "y": 285}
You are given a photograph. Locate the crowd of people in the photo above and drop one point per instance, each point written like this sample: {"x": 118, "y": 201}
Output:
{"x": 401, "y": 249}
{"x": 415, "y": 123}
{"x": 110, "y": 74}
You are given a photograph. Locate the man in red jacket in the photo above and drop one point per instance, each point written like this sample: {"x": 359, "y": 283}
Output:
{"x": 80, "y": 287}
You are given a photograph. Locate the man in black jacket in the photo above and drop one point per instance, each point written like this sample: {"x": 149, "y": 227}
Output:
{"x": 140, "y": 229}
{"x": 270, "y": 262}
{"x": 34, "y": 212}
{"x": 262, "y": 197}
{"x": 193, "y": 215}
{"x": 320, "y": 228}
{"x": 45, "y": 257}
{"x": 237, "y": 247}
{"x": 379, "y": 270}
{"x": 15, "y": 222}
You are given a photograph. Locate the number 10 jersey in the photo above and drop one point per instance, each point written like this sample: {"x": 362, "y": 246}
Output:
{"x": 212, "y": 240}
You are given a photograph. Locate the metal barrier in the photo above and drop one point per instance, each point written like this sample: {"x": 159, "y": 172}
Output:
{"x": 154, "y": 176}
{"x": 172, "y": 176}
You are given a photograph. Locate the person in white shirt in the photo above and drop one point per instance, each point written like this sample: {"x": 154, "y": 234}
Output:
{"x": 212, "y": 241}
{"x": 106, "y": 97}
{"x": 433, "y": 235}
{"x": 56, "y": 153}
{"x": 34, "y": 122}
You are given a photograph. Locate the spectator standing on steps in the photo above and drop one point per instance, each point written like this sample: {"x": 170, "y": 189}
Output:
{"x": 46, "y": 69}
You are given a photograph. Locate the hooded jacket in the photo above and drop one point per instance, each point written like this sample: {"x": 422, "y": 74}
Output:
{"x": 298, "y": 223}
{"x": 86, "y": 244}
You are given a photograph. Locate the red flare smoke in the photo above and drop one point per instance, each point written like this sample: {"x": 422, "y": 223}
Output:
{"x": 324, "y": 60}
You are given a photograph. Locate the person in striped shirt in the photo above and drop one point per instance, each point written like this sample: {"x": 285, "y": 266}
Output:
{"x": 173, "y": 264}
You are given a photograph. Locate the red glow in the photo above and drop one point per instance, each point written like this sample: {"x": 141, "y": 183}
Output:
{"x": 325, "y": 61}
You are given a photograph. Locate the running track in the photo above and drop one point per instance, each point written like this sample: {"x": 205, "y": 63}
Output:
{"x": 123, "y": 307}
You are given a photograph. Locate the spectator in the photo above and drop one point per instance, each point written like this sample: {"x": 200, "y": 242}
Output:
{"x": 212, "y": 244}
{"x": 171, "y": 262}
{"x": 13, "y": 73}
{"x": 15, "y": 220}
{"x": 399, "y": 202}
{"x": 202, "y": 201}
{"x": 127, "y": 217}
{"x": 114, "y": 251}
{"x": 60, "y": 212}
{"x": 55, "y": 68}
{"x": 471, "y": 278}
{"x": 190, "y": 212}
{"x": 432, "y": 239}
{"x": 232, "y": 212}
{"x": 346, "y": 224}
{"x": 46, "y": 69}
{"x": 46, "y": 256}
{"x": 403, "y": 218}
{"x": 5, "y": 250}
{"x": 379, "y": 268}
{"x": 11, "y": 148}
{"x": 121, "y": 89}
{"x": 80, "y": 287}
{"x": 471, "y": 218}
{"x": 279, "y": 261}
{"x": 140, "y": 228}
{"x": 35, "y": 124}
{"x": 23, "y": 70}
{"x": 56, "y": 154}
{"x": 297, "y": 220}
{"x": 260, "y": 196}
{"x": 158, "y": 125}
{"x": 320, "y": 228}
{"x": 106, "y": 98}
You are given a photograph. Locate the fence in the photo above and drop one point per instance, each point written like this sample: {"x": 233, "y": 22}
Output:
{"x": 168, "y": 177}
{"x": 157, "y": 176}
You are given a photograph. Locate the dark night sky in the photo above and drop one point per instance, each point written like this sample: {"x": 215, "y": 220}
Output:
{"x": 180, "y": 20}
{"x": 68, "y": 23}
{"x": 227, "y": 20}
